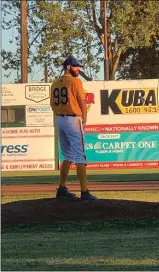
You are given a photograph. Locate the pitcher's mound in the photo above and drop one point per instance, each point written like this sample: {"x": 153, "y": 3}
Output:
{"x": 51, "y": 210}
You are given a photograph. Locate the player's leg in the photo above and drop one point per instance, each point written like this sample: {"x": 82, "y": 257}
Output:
{"x": 75, "y": 136}
{"x": 81, "y": 173}
{"x": 64, "y": 170}
{"x": 66, "y": 152}
{"x": 62, "y": 191}
{"x": 73, "y": 133}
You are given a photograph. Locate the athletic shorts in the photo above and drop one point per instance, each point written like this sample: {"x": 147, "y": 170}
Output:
{"x": 70, "y": 132}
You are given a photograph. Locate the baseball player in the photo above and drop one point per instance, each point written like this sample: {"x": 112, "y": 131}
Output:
{"x": 67, "y": 102}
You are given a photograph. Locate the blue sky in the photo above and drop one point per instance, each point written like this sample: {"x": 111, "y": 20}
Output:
{"x": 38, "y": 73}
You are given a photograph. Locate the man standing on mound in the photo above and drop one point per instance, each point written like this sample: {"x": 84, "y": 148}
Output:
{"x": 67, "y": 102}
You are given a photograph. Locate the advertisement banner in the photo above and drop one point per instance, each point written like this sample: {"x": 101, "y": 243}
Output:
{"x": 131, "y": 101}
{"x": 25, "y": 94}
{"x": 122, "y": 102}
{"x": 27, "y": 149}
{"x": 37, "y": 116}
{"x": 127, "y": 147}
{"x": 34, "y": 132}
{"x": 122, "y": 125}
{"x": 37, "y": 93}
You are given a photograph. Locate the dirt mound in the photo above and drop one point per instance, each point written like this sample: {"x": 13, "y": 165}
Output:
{"x": 51, "y": 210}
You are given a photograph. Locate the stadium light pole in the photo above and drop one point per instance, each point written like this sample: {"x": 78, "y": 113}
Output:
{"x": 106, "y": 59}
{"x": 24, "y": 41}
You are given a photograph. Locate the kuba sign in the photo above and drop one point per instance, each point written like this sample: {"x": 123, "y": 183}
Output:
{"x": 129, "y": 101}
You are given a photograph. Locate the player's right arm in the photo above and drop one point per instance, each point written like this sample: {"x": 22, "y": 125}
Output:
{"x": 81, "y": 100}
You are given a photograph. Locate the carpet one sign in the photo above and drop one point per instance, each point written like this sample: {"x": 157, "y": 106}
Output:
{"x": 121, "y": 146}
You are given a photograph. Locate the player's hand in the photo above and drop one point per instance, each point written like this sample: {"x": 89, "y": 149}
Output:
{"x": 83, "y": 124}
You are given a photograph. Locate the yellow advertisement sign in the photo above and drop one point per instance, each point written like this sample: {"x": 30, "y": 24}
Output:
{"x": 130, "y": 101}
{"x": 138, "y": 101}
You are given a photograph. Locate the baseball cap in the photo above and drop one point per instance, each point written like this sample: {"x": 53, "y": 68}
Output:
{"x": 71, "y": 61}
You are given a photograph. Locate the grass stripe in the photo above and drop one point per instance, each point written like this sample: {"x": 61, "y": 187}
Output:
{"x": 88, "y": 261}
{"x": 148, "y": 196}
{"x": 39, "y": 177}
{"x": 72, "y": 172}
{"x": 73, "y": 178}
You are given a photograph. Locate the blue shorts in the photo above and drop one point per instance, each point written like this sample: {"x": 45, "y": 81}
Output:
{"x": 70, "y": 132}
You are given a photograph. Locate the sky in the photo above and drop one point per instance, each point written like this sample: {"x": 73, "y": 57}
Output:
{"x": 38, "y": 73}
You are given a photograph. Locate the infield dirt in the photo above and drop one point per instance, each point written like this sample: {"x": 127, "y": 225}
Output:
{"x": 52, "y": 210}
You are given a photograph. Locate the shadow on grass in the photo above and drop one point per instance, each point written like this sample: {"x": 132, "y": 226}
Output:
{"x": 84, "y": 226}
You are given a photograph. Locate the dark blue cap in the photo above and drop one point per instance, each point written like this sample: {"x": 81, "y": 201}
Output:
{"x": 71, "y": 61}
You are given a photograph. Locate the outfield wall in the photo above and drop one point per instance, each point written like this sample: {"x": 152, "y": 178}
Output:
{"x": 122, "y": 129}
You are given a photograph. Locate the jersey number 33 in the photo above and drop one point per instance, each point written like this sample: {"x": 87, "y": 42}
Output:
{"x": 60, "y": 96}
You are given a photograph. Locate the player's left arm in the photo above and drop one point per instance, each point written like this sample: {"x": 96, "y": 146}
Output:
{"x": 81, "y": 100}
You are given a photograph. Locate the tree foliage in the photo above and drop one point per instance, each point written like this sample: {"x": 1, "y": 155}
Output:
{"x": 58, "y": 29}
{"x": 140, "y": 63}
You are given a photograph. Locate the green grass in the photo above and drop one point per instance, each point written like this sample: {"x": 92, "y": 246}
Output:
{"x": 113, "y": 245}
{"x": 38, "y": 177}
{"x": 82, "y": 246}
{"x": 149, "y": 196}
{"x": 72, "y": 172}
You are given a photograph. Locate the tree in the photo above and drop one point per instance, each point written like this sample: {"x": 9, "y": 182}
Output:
{"x": 138, "y": 21}
{"x": 11, "y": 21}
{"x": 66, "y": 34}
{"x": 76, "y": 27}
{"x": 140, "y": 63}
{"x": 85, "y": 37}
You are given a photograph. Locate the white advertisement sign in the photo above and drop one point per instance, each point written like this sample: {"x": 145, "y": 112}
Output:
{"x": 9, "y": 95}
{"x": 37, "y": 116}
{"x": 25, "y": 94}
{"x": 37, "y": 93}
{"x": 28, "y": 149}
{"x": 24, "y": 132}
